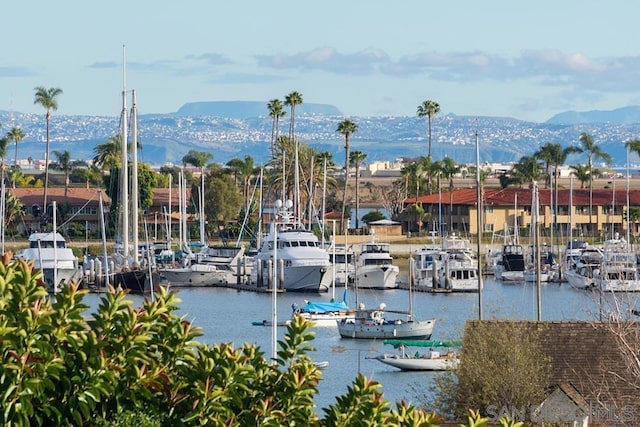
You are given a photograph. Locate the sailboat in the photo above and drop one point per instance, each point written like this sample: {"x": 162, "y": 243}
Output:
{"x": 433, "y": 360}
{"x": 130, "y": 272}
{"x": 382, "y": 323}
{"x": 192, "y": 273}
{"x": 511, "y": 267}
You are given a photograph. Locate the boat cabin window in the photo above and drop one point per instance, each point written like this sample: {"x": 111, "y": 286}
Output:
{"x": 376, "y": 262}
{"x": 463, "y": 274}
{"x": 47, "y": 244}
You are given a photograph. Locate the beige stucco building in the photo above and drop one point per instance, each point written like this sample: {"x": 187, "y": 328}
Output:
{"x": 456, "y": 211}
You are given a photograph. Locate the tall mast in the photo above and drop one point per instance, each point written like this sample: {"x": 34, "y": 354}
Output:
{"x": 202, "y": 228}
{"x": 134, "y": 177}
{"x": 479, "y": 220}
{"x": 124, "y": 170}
{"x": 628, "y": 205}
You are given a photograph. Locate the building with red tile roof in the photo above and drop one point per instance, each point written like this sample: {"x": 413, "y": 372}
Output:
{"x": 82, "y": 205}
{"x": 507, "y": 206}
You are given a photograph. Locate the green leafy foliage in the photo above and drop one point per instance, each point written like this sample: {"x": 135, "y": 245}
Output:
{"x": 143, "y": 366}
{"x": 502, "y": 365}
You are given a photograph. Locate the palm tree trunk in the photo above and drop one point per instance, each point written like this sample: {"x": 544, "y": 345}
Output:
{"x": 346, "y": 181}
{"x": 46, "y": 166}
{"x": 357, "y": 194}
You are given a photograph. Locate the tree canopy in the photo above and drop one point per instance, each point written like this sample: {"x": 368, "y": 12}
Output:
{"x": 144, "y": 366}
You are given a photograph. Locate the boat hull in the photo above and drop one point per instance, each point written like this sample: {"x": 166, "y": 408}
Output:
{"x": 195, "y": 276}
{"x": 64, "y": 277}
{"x": 327, "y": 320}
{"x": 377, "y": 277}
{"x": 301, "y": 278}
{"x": 361, "y": 329}
{"x": 425, "y": 363}
{"x": 135, "y": 281}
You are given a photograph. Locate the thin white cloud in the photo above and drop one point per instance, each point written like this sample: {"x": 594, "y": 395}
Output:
{"x": 16, "y": 72}
{"x": 210, "y": 58}
{"x": 327, "y": 59}
{"x": 241, "y": 78}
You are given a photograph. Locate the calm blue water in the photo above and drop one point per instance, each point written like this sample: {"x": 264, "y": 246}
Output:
{"x": 225, "y": 315}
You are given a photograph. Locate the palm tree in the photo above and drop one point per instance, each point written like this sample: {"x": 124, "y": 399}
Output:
{"x": 593, "y": 152}
{"x": 633, "y": 145}
{"x": 346, "y": 128}
{"x": 449, "y": 169}
{"x": 243, "y": 169}
{"x": 48, "y": 99}
{"x": 528, "y": 169}
{"x": 16, "y": 135}
{"x": 356, "y": 158}
{"x": 414, "y": 174}
{"x": 554, "y": 155}
{"x": 276, "y": 111}
{"x": 428, "y": 109}
{"x": 292, "y": 100}
{"x": 64, "y": 161}
{"x": 4, "y": 144}
{"x": 199, "y": 159}
{"x": 581, "y": 172}
{"x": 107, "y": 155}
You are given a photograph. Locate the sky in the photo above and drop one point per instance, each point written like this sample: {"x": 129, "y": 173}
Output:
{"x": 526, "y": 60}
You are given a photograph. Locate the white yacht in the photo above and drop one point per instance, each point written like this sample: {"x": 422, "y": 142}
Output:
{"x": 459, "y": 270}
{"x": 581, "y": 270}
{"x": 302, "y": 264}
{"x": 374, "y": 266}
{"x": 511, "y": 267}
{"x": 49, "y": 253}
{"x": 232, "y": 259}
{"x": 195, "y": 275}
{"x": 343, "y": 260}
{"x": 618, "y": 271}
{"x": 424, "y": 267}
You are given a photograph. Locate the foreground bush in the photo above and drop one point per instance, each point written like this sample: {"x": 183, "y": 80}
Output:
{"x": 124, "y": 365}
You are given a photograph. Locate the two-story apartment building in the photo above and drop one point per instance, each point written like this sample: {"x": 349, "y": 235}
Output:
{"x": 456, "y": 211}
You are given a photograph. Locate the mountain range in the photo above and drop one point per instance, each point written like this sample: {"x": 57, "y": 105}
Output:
{"x": 238, "y": 128}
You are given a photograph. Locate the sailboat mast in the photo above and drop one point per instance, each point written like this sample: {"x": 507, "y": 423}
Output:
{"x": 479, "y": 227}
{"x": 170, "y": 219}
{"x": 324, "y": 199}
{"x": 274, "y": 299}
{"x": 124, "y": 174}
{"x": 202, "y": 230}
{"x": 628, "y": 204}
{"x": 134, "y": 177}
{"x": 536, "y": 210}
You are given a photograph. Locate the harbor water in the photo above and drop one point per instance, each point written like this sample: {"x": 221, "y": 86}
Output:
{"x": 226, "y": 315}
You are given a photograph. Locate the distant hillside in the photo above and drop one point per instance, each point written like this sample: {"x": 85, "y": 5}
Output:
{"x": 622, "y": 116}
{"x": 248, "y": 109}
{"x": 168, "y": 137}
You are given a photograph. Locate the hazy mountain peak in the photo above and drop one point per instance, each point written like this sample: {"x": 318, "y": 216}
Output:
{"x": 624, "y": 115}
{"x": 248, "y": 109}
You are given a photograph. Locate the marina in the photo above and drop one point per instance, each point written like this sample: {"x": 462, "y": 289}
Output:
{"x": 226, "y": 315}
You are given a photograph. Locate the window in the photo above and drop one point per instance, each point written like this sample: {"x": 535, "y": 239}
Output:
{"x": 86, "y": 210}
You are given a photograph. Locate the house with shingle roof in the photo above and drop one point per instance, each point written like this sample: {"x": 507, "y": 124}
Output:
{"x": 504, "y": 207}
{"x": 592, "y": 374}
